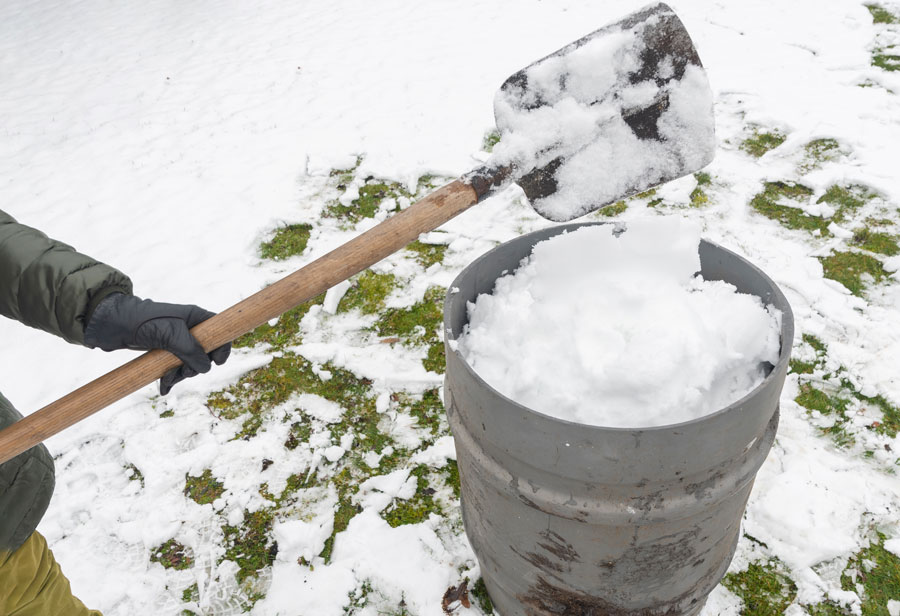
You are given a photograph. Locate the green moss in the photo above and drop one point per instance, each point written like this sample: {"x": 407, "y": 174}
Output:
{"x": 203, "y": 489}
{"x": 416, "y": 509}
{"x": 427, "y": 254}
{"x": 368, "y": 292}
{"x": 770, "y": 204}
{"x": 699, "y": 198}
{"x": 887, "y": 62}
{"x": 490, "y": 140}
{"x": 846, "y": 199}
{"x": 358, "y": 598}
{"x": 764, "y": 589}
{"x": 808, "y": 367}
{"x": 172, "y": 555}
{"x": 261, "y": 389}
{"x": 287, "y": 242}
{"x": 835, "y": 405}
{"x": 881, "y": 15}
{"x": 482, "y": 599}
{"x": 796, "y": 366}
{"x": 762, "y": 141}
{"x": 191, "y": 593}
{"x": 419, "y": 322}
{"x": 428, "y": 410}
{"x": 249, "y": 544}
{"x": 435, "y": 361}
{"x": 819, "y": 151}
{"x": 135, "y": 474}
{"x": 827, "y": 608}
{"x": 418, "y": 325}
{"x": 366, "y": 205}
{"x": 815, "y": 343}
{"x": 876, "y": 241}
{"x": 890, "y": 414}
{"x": 285, "y": 332}
{"x": 451, "y": 470}
{"x": 300, "y": 433}
{"x": 168, "y": 413}
{"x": 879, "y": 573}
{"x": 853, "y": 270}
{"x": 345, "y": 510}
{"x": 613, "y": 210}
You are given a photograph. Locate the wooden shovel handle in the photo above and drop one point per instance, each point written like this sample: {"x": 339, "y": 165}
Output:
{"x": 292, "y": 290}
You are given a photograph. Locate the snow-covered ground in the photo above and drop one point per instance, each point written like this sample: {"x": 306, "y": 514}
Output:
{"x": 170, "y": 139}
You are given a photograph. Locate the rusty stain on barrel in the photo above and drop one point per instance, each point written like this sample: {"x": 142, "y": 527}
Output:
{"x": 636, "y": 522}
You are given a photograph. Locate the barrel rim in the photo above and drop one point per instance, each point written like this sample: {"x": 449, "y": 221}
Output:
{"x": 787, "y": 336}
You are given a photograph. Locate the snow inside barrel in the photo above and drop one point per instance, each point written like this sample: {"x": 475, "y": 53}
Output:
{"x": 619, "y": 485}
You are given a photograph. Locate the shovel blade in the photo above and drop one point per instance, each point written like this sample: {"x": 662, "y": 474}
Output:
{"x": 613, "y": 114}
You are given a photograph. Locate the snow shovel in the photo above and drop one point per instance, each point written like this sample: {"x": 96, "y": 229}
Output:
{"x": 613, "y": 114}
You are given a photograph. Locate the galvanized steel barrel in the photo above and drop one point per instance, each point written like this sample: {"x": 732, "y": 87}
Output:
{"x": 577, "y": 520}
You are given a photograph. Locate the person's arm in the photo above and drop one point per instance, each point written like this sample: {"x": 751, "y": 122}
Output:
{"x": 48, "y": 285}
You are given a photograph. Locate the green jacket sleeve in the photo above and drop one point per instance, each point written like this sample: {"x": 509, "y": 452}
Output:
{"x": 47, "y": 284}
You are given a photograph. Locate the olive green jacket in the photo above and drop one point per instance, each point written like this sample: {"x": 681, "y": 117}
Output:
{"x": 47, "y": 285}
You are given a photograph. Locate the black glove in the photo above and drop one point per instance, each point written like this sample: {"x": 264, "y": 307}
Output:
{"x": 127, "y": 322}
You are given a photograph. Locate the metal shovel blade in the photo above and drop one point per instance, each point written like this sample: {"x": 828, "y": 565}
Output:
{"x": 613, "y": 114}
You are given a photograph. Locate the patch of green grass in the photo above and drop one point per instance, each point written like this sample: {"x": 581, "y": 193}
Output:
{"x": 427, "y": 254}
{"x": 414, "y": 510}
{"x": 890, "y": 414}
{"x": 846, "y": 199}
{"x": 172, "y": 555}
{"x": 699, "y": 198}
{"x": 358, "y": 598}
{"x": 764, "y": 588}
{"x": 491, "y": 139}
{"x": 879, "y": 573}
{"x": 452, "y": 478}
{"x": 428, "y": 410}
{"x": 480, "y": 594}
{"x": 770, "y": 203}
{"x": 876, "y": 241}
{"x": 284, "y": 332}
{"x": 287, "y": 242}
{"x": 762, "y": 142}
{"x": 818, "y": 152}
{"x": 419, "y": 325}
{"x": 887, "y": 62}
{"x": 259, "y": 390}
{"x": 345, "y": 510}
{"x": 135, "y": 474}
{"x": 435, "y": 361}
{"x": 853, "y": 270}
{"x": 366, "y": 205}
{"x": 613, "y": 210}
{"x": 836, "y": 405}
{"x": 368, "y": 292}
{"x": 204, "y": 489}
{"x": 191, "y": 593}
{"x": 249, "y": 544}
{"x": 881, "y": 15}
{"x": 808, "y": 367}
{"x": 827, "y": 608}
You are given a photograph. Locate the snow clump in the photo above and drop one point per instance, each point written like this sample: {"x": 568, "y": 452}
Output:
{"x": 620, "y": 331}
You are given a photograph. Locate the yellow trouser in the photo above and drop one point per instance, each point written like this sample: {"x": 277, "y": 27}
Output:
{"x": 32, "y": 584}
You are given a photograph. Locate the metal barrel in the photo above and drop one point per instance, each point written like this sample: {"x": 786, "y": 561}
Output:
{"x": 576, "y": 520}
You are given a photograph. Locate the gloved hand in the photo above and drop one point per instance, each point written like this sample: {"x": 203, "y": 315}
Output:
{"x": 127, "y": 322}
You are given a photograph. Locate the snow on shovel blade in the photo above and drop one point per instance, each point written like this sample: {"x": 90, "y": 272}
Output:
{"x": 613, "y": 114}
